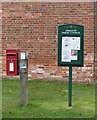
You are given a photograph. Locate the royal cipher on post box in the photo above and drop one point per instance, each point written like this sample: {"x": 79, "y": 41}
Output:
{"x": 12, "y": 62}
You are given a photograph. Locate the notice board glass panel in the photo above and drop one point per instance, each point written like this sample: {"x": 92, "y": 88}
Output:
{"x": 70, "y": 45}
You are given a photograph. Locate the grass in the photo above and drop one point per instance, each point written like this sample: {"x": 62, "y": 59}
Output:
{"x": 48, "y": 100}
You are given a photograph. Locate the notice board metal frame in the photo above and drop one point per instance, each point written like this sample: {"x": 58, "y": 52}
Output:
{"x": 71, "y": 30}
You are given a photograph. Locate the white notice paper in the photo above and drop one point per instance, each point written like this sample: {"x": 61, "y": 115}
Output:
{"x": 75, "y": 43}
{"x": 22, "y": 56}
{"x": 70, "y": 47}
{"x": 66, "y": 55}
{"x": 66, "y": 50}
{"x": 11, "y": 67}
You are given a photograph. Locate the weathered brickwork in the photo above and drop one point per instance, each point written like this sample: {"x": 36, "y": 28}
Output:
{"x": 33, "y": 27}
{"x": 95, "y": 42}
{"x": 0, "y": 40}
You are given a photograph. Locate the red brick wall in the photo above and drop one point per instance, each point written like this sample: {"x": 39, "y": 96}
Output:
{"x": 95, "y": 41}
{"x": 0, "y": 40}
{"x": 33, "y": 27}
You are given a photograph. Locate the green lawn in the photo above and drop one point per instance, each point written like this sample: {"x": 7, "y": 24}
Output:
{"x": 48, "y": 100}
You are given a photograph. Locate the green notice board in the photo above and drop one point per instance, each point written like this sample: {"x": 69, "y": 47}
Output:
{"x": 70, "y": 45}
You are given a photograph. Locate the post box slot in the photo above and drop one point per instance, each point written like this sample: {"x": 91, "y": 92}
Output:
{"x": 12, "y": 59}
{"x": 12, "y": 54}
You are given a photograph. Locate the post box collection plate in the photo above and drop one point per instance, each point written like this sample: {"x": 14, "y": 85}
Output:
{"x": 11, "y": 66}
{"x": 70, "y": 45}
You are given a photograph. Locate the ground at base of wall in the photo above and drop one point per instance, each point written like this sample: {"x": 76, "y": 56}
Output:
{"x": 54, "y": 80}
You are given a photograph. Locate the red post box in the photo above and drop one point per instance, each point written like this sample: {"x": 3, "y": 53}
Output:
{"x": 12, "y": 62}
